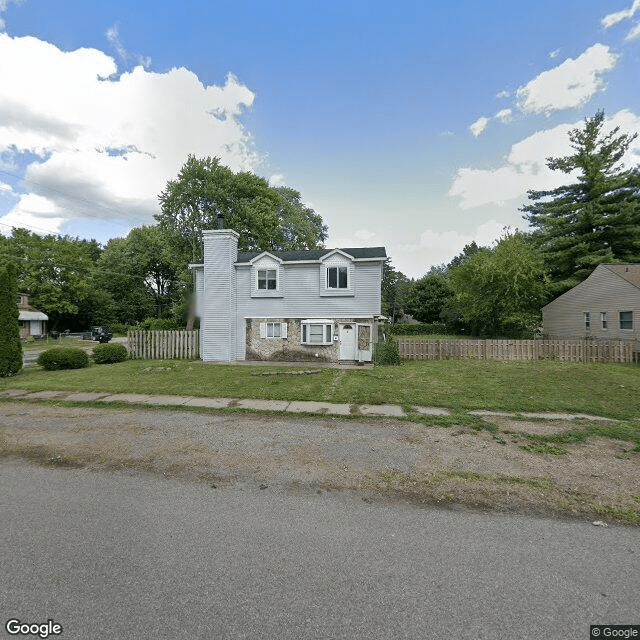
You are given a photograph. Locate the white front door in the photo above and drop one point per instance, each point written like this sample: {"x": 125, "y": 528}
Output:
{"x": 348, "y": 341}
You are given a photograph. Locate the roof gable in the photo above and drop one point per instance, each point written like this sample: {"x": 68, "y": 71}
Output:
{"x": 628, "y": 272}
{"x": 264, "y": 254}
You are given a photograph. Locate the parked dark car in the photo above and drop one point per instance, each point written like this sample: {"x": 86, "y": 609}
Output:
{"x": 100, "y": 334}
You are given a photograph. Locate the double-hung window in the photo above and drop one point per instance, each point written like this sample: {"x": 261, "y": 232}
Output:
{"x": 316, "y": 332}
{"x": 603, "y": 319}
{"x": 273, "y": 329}
{"x": 337, "y": 277}
{"x": 267, "y": 279}
{"x": 587, "y": 320}
{"x": 626, "y": 319}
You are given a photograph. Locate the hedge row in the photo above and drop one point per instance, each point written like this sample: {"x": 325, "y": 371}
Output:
{"x": 402, "y": 329}
{"x": 76, "y": 358}
{"x": 63, "y": 358}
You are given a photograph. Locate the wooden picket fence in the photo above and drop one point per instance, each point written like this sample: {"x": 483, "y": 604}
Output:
{"x": 164, "y": 345}
{"x": 567, "y": 350}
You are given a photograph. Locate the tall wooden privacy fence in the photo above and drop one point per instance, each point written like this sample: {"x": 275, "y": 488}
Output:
{"x": 568, "y": 350}
{"x": 164, "y": 345}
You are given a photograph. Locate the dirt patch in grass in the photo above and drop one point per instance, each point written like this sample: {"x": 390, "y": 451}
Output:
{"x": 536, "y": 426}
{"x": 480, "y": 464}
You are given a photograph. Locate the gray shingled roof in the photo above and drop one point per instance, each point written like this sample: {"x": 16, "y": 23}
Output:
{"x": 316, "y": 254}
{"x": 628, "y": 272}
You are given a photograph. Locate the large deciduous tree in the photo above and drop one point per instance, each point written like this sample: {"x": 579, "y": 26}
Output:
{"x": 57, "y": 272}
{"x": 394, "y": 289}
{"x": 429, "y": 296}
{"x": 144, "y": 273}
{"x": 594, "y": 219}
{"x": 267, "y": 218}
{"x": 10, "y": 345}
{"x": 500, "y": 291}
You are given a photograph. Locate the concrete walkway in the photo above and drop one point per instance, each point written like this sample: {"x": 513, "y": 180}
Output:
{"x": 294, "y": 406}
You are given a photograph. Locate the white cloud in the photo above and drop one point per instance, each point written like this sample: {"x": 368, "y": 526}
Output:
{"x": 619, "y": 16}
{"x": 439, "y": 247}
{"x": 504, "y": 115}
{"x": 364, "y": 236}
{"x": 113, "y": 36}
{"x": 554, "y": 54}
{"x": 3, "y": 7}
{"x": 359, "y": 238}
{"x": 525, "y": 167}
{"x": 479, "y": 126}
{"x": 108, "y": 145}
{"x": 503, "y": 94}
{"x": 634, "y": 33}
{"x": 276, "y": 180}
{"x": 570, "y": 84}
{"x": 35, "y": 212}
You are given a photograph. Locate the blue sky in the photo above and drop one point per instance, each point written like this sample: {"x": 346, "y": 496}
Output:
{"x": 414, "y": 125}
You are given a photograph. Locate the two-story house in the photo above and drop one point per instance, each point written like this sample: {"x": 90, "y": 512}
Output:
{"x": 317, "y": 305}
{"x": 32, "y": 321}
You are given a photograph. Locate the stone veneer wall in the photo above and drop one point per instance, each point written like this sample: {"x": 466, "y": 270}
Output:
{"x": 290, "y": 349}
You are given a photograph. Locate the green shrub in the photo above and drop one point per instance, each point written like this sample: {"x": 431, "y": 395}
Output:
{"x": 158, "y": 324}
{"x": 404, "y": 329}
{"x": 119, "y": 328}
{"x": 109, "y": 353}
{"x": 63, "y": 358}
{"x": 388, "y": 352}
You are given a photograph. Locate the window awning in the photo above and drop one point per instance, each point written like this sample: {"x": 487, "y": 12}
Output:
{"x": 32, "y": 315}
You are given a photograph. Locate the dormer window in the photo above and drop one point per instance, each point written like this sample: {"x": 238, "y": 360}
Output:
{"x": 337, "y": 278}
{"x": 267, "y": 279}
{"x": 267, "y": 276}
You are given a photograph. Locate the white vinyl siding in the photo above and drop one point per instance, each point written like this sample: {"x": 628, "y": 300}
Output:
{"x": 337, "y": 276}
{"x": 266, "y": 279}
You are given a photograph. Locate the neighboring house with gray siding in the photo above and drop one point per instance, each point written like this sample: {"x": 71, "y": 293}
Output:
{"x": 319, "y": 305}
{"x": 605, "y": 306}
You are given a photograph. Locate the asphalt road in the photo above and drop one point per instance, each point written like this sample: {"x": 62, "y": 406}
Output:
{"x": 118, "y": 556}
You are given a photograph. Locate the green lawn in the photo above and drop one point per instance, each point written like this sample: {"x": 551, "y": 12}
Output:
{"x": 610, "y": 390}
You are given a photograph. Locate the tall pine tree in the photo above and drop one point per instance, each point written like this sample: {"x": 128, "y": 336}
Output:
{"x": 10, "y": 345}
{"x": 595, "y": 219}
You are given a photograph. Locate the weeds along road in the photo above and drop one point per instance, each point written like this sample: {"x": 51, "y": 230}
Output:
{"x": 484, "y": 465}
{"x": 133, "y": 555}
